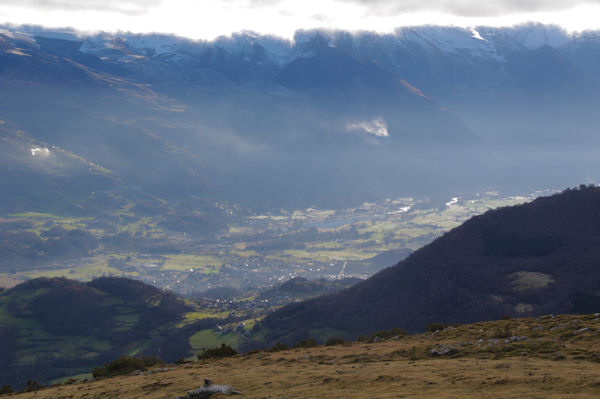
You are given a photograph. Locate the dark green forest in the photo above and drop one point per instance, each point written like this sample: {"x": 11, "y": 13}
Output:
{"x": 525, "y": 260}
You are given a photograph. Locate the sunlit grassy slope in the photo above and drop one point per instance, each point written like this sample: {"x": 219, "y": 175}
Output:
{"x": 548, "y": 357}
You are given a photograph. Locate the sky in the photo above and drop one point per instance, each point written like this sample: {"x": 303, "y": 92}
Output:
{"x": 208, "y": 19}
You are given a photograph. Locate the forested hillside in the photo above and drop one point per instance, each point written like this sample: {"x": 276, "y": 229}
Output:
{"x": 531, "y": 259}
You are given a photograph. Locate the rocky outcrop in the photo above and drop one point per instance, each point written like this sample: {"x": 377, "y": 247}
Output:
{"x": 208, "y": 390}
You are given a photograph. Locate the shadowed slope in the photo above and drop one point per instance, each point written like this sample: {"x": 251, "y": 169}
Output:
{"x": 530, "y": 259}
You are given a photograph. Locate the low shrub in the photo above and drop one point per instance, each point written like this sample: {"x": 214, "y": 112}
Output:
{"x": 6, "y": 389}
{"x": 279, "y": 347}
{"x": 125, "y": 365}
{"x": 32, "y": 386}
{"x": 432, "y": 327}
{"x": 307, "y": 343}
{"x": 384, "y": 334}
{"x": 212, "y": 353}
{"x": 503, "y": 331}
{"x": 363, "y": 338}
{"x": 335, "y": 341}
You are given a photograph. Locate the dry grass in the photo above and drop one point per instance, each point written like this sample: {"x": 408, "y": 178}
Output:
{"x": 558, "y": 363}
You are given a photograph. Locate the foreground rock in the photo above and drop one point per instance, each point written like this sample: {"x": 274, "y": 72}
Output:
{"x": 208, "y": 390}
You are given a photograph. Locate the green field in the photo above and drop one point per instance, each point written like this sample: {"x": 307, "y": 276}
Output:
{"x": 98, "y": 268}
{"x": 254, "y": 248}
{"x": 208, "y": 264}
{"x": 210, "y": 339}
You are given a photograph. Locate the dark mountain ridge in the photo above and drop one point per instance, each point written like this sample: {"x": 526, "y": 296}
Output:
{"x": 526, "y": 260}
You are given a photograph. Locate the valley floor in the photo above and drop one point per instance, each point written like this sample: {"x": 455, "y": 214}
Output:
{"x": 558, "y": 359}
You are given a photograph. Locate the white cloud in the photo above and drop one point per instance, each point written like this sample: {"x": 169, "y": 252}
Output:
{"x": 40, "y": 152}
{"x": 469, "y": 8}
{"x": 376, "y": 126}
{"x": 131, "y": 7}
{"x": 207, "y": 19}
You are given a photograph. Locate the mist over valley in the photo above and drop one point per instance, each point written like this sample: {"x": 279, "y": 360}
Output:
{"x": 163, "y": 196}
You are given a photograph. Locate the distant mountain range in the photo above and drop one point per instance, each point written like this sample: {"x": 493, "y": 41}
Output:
{"x": 526, "y": 260}
{"x": 96, "y": 121}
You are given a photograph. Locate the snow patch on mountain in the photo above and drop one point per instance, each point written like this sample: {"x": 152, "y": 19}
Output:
{"x": 29, "y": 32}
{"x": 98, "y": 44}
{"x": 446, "y": 39}
{"x": 157, "y": 44}
{"x": 476, "y": 35}
{"x": 253, "y": 45}
{"x": 527, "y": 37}
{"x": 479, "y": 42}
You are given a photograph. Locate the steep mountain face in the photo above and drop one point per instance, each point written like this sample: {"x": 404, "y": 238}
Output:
{"x": 359, "y": 90}
{"x": 509, "y": 85}
{"x": 526, "y": 260}
{"x": 39, "y": 177}
{"x": 337, "y": 112}
{"x": 163, "y": 113}
{"x": 56, "y": 327}
{"x": 95, "y": 115}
